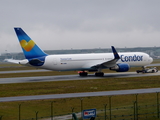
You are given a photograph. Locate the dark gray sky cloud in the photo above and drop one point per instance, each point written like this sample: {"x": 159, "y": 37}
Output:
{"x": 66, "y": 24}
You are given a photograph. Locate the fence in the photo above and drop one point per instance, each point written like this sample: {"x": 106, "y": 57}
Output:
{"x": 123, "y": 107}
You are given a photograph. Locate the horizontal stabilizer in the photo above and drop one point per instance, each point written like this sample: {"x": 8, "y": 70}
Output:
{"x": 12, "y": 61}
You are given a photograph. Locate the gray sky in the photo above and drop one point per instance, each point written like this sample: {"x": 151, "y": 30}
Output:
{"x": 78, "y": 24}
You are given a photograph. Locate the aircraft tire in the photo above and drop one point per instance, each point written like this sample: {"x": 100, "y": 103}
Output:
{"x": 99, "y": 74}
{"x": 83, "y": 74}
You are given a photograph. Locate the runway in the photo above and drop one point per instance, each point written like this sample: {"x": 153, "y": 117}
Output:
{"x": 74, "y": 95}
{"x": 72, "y": 77}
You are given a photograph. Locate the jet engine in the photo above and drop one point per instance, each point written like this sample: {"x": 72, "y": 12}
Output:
{"x": 121, "y": 67}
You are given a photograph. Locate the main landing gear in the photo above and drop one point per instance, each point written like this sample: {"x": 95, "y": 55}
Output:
{"x": 84, "y": 74}
{"x": 99, "y": 74}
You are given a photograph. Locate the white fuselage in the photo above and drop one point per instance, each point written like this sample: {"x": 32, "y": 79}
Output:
{"x": 86, "y": 61}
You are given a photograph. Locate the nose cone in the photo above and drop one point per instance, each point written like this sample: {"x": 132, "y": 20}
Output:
{"x": 151, "y": 59}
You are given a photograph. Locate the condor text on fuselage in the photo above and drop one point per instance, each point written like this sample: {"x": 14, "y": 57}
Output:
{"x": 131, "y": 58}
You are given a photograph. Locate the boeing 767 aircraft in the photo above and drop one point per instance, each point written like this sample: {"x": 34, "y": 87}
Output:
{"x": 95, "y": 62}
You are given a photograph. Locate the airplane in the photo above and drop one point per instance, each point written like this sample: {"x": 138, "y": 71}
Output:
{"x": 84, "y": 63}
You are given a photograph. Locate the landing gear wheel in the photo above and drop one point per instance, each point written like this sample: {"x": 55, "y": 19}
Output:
{"x": 99, "y": 74}
{"x": 83, "y": 74}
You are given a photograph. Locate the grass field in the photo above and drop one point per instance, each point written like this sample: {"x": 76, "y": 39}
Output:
{"x": 57, "y": 87}
{"x": 9, "y": 110}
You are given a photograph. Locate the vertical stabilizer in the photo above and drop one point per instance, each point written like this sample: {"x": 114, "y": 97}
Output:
{"x": 29, "y": 47}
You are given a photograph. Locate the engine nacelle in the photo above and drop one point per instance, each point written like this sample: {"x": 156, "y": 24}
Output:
{"x": 121, "y": 67}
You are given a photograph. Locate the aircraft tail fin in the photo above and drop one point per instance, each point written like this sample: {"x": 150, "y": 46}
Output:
{"x": 29, "y": 47}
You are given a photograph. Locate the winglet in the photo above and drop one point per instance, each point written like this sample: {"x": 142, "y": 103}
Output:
{"x": 116, "y": 55}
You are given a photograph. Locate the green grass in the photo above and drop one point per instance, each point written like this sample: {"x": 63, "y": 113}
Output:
{"x": 57, "y": 87}
{"x": 31, "y": 74}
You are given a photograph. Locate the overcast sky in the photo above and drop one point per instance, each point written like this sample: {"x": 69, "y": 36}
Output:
{"x": 79, "y": 24}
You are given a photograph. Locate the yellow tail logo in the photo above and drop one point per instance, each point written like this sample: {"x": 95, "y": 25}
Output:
{"x": 27, "y": 46}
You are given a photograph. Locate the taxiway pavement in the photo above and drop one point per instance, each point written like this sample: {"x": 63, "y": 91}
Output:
{"x": 72, "y": 77}
{"x": 73, "y": 95}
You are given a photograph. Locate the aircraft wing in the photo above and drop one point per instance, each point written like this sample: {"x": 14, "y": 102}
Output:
{"x": 109, "y": 63}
